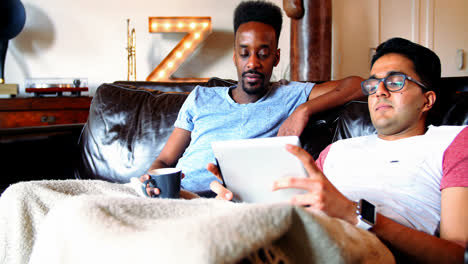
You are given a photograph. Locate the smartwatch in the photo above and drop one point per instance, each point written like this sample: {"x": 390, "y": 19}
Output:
{"x": 366, "y": 214}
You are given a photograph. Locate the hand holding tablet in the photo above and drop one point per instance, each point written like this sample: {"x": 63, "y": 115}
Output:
{"x": 250, "y": 166}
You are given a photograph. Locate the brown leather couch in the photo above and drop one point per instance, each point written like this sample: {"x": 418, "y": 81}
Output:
{"x": 129, "y": 123}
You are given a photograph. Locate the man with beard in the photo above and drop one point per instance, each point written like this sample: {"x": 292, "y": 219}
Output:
{"x": 251, "y": 109}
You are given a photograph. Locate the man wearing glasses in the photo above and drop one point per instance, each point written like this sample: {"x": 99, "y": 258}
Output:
{"x": 404, "y": 181}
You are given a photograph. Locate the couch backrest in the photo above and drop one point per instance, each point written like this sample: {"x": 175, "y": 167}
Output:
{"x": 124, "y": 131}
{"x": 175, "y": 86}
{"x": 128, "y": 126}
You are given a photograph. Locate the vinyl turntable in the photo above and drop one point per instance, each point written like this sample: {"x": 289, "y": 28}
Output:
{"x": 56, "y": 86}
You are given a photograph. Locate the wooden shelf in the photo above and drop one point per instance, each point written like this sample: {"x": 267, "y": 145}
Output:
{"x": 43, "y": 111}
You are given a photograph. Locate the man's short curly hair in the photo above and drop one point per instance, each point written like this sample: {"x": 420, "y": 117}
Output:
{"x": 258, "y": 11}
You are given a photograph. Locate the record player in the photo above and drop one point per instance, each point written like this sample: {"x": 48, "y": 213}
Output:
{"x": 56, "y": 86}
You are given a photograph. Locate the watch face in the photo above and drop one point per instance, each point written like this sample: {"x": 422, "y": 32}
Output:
{"x": 367, "y": 211}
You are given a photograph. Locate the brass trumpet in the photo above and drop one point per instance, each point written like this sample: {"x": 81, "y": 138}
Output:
{"x": 131, "y": 50}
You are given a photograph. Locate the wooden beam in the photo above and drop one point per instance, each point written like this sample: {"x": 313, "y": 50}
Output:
{"x": 310, "y": 56}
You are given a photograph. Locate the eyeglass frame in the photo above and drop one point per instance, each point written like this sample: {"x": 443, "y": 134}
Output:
{"x": 405, "y": 77}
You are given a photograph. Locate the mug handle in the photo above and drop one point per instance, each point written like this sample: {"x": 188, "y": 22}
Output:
{"x": 152, "y": 183}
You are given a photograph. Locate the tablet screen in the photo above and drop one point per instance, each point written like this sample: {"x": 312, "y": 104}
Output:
{"x": 249, "y": 167}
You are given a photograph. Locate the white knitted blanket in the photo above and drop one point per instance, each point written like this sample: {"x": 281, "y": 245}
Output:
{"x": 99, "y": 222}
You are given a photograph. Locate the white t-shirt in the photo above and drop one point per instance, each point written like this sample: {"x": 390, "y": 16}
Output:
{"x": 401, "y": 177}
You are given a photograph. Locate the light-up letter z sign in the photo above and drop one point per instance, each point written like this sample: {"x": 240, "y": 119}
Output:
{"x": 197, "y": 28}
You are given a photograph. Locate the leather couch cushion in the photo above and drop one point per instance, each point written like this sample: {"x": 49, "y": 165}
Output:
{"x": 353, "y": 121}
{"x": 126, "y": 131}
{"x": 456, "y": 110}
{"x": 128, "y": 125}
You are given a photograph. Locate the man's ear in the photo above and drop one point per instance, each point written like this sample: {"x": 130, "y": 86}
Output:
{"x": 234, "y": 57}
{"x": 277, "y": 57}
{"x": 430, "y": 98}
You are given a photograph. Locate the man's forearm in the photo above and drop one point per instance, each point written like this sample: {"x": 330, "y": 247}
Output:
{"x": 323, "y": 96}
{"x": 333, "y": 94}
{"x": 416, "y": 246}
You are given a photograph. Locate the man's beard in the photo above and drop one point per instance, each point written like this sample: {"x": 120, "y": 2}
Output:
{"x": 249, "y": 88}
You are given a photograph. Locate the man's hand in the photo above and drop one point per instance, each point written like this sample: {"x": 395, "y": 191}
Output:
{"x": 155, "y": 191}
{"x": 149, "y": 190}
{"x": 221, "y": 192}
{"x": 295, "y": 123}
{"x": 321, "y": 195}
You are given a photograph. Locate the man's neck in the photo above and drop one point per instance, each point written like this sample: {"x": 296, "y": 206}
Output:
{"x": 411, "y": 132}
{"x": 241, "y": 97}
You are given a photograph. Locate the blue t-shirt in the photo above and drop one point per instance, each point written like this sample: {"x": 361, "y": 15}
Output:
{"x": 212, "y": 115}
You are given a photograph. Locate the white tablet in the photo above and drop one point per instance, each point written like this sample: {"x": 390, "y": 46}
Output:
{"x": 249, "y": 167}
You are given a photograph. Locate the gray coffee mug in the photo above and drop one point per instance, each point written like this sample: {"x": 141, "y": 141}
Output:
{"x": 167, "y": 180}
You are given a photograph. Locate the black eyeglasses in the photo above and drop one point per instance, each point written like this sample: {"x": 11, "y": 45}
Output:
{"x": 394, "y": 82}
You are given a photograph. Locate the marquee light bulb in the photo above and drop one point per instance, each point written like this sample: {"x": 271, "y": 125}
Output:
{"x": 197, "y": 28}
